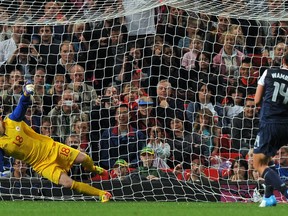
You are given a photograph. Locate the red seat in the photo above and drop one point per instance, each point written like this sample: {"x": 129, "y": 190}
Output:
{"x": 225, "y": 143}
{"x": 230, "y": 156}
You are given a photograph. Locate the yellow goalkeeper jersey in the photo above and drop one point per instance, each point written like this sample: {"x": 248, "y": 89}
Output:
{"x": 22, "y": 142}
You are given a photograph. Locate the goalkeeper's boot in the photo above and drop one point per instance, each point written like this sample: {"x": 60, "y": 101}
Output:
{"x": 268, "y": 202}
{"x": 105, "y": 197}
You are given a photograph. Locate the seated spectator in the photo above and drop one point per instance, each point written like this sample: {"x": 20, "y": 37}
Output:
{"x": 12, "y": 95}
{"x": 66, "y": 60}
{"x": 205, "y": 98}
{"x": 245, "y": 128}
{"x": 240, "y": 39}
{"x": 84, "y": 94}
{"x": 195, "y": 174}
{"x": 121, "y": 141}
{"x": 228, "y": 60}
{"x": 239, "y": 170}
{"x": 9, "y": 46}
{"x": 205, "y": 136}
{"x": 77, "y": 172}
{"x": 189, "y": 58}
{"x": 102, "y": 116}
{"x": 81, "y": 127}
{"x": 144, "y": 117}
{"x": 120, "y": 169}
{"x": 253, "y": 174}
{"x": 157, "y": 141}
{"x": 20, "y": 170}
{"x": 234, "y": 104}
{"x": 47, "y": 129}
{"x": 54, "y": 93}
{"x": 181, "y": 144}
{"x": 166, "y": 104}
{"x": 192, "y": 30}
{"x": 64, "y": 114}
{"x": 25, "y": 58}
{"x": 248, "y": 76}
{"x": 282, "y": 166}
{"x": 151, "y": 166}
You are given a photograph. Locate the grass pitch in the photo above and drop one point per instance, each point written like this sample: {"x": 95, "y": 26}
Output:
{"x": 71, "y": 208}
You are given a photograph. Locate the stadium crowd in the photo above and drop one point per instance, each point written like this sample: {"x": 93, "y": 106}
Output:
{"x": 166, "y": 84}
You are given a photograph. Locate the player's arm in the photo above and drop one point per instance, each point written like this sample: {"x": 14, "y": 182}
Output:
{"x": 19, "y": 113}
{"x": 260, "y": 89}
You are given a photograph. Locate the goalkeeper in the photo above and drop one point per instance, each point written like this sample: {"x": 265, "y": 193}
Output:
{"x": 50, "y": 159}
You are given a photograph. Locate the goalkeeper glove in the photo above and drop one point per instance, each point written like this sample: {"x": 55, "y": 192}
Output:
{"x": 29, "y": 88}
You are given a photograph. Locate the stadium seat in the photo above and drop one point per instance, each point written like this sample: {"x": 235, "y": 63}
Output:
{"x": 212, "y": 173}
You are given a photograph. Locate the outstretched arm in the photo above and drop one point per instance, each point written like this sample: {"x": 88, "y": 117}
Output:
{"x": 19, "y": 113}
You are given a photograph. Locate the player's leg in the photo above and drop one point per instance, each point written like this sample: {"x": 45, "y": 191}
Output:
{"x": 81, "y": 187}
{"x": 260, "y": 163}
{"x": 88, "y": 163}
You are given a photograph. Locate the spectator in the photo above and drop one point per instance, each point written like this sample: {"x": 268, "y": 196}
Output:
{"x": 12, "y": 95}
{"x": 195, "y": 174}
{"x": 173, "y": 28}
{"x": 189, "y": 57}
{"x": 158, "y": 143}
{"x": 228, "y": 60}
{"x": 54, "y": 93}
{"x": 102, "y": 116}
{"x": 120, "y": 169}
{"x": 121, "y": 141}
{"x": 144, "y": 117}
{"x": 239, "y": 170}
{"x": 166, "y": 104}
{"x": 248, "y": 76}
{"x": 66, "y": 60}
{"x": 9, "y": 46}
{"x": 244, "y": 128}
{"x": 205, "y": 99}
{"x": 192, "y": 30}
{"x": 20, "y": 170}
{"x": 253, "y": 174}
{"x": 181, "y": 144}
{"x": 234, "y": 105}
{"x": 282, "y": 166}
{"x": 64, "y": 114}
{"x": 81, "y": 127}
{"x": 85, "y": 94}
{"x": 205, "y": 137}
{"x": 48, "y": 47}
{"x": 47, "y": 129}
{"x": 239, "y": 40}
{"x": 25, "y": 58}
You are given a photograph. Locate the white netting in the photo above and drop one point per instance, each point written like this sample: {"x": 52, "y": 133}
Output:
{"x": 191, "y": 65}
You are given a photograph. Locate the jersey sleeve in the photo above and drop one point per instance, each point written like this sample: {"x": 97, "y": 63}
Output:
{"x": 19, "y": 112}
{"x": 261, "y": 81}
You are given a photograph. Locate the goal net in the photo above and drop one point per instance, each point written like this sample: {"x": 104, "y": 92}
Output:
{"x": 157, "y": 92}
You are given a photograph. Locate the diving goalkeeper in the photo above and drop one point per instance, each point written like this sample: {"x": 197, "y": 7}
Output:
{"x": 50, "y": 159}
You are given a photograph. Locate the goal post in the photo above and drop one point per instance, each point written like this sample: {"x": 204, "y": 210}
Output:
{"x": 176, "y": 76}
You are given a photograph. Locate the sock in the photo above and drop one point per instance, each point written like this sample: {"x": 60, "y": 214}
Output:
{"x": 88, "y": 164}
{"x": 269, "y": 189}
{"x": 273, "y": 179}
{"x": 86, "y": 189}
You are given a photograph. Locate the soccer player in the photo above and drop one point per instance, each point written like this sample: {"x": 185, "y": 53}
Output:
{"x": 272, "y": 89}
{"x": 48, "y": 158}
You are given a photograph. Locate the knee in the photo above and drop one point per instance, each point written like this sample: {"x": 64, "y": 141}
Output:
{"x": 65, "y": 181}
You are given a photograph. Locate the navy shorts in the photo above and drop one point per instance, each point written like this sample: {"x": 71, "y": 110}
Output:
{"x": 271, "y": 137}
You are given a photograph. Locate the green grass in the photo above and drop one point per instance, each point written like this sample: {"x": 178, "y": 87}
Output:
{"x": 71, "y": 208}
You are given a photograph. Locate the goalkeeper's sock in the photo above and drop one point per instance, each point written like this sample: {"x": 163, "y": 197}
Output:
{"x": 87, "y": 189}
{"x": 88, "y": 164}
